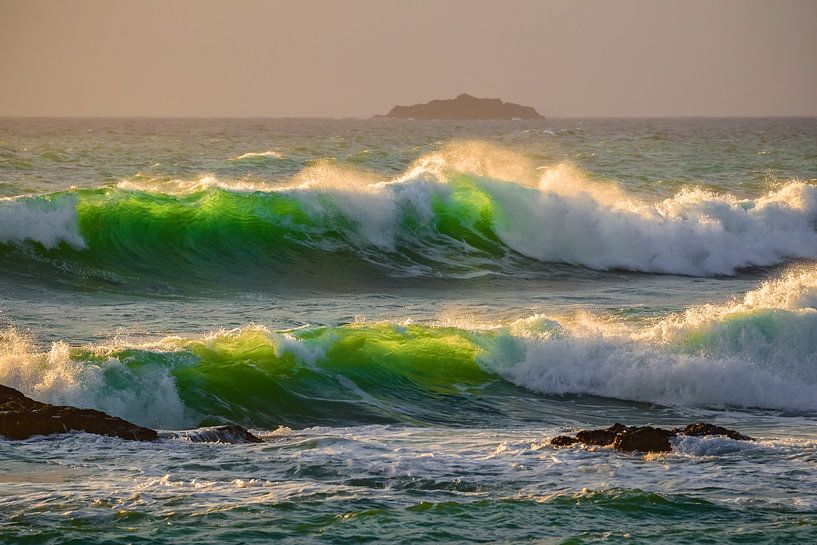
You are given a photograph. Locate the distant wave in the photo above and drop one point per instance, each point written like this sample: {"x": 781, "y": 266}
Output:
{"x": 269, "y": 154}
{"x": 758, "y": 352}
{"x": 470, "y": 209}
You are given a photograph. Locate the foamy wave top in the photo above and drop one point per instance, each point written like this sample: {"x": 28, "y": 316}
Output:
{"x": 759, "y": 351}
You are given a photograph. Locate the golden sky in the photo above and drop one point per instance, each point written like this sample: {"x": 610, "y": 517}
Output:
{"x": 360, "y": 57}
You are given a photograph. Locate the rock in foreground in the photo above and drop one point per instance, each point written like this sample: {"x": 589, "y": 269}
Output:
{"x": 643, "y": 438}
{"x": 22, "y": 417}
{"x": 465, "y": 107}
{"x": 705, "y": 428}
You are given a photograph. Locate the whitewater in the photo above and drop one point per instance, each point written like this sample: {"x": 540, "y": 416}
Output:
{"x": 406, "y": 313}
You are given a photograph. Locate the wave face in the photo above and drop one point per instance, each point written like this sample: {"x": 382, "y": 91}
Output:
{"x": 468, "y": 210}
{"x": 757, "y": 352}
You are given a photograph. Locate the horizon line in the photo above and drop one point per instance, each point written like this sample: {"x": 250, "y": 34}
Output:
{"x": 383, "y": 117}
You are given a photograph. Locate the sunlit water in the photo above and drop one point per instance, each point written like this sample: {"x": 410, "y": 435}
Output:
{"x": 406, "y": 312}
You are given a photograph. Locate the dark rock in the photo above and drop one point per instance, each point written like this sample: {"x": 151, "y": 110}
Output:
{"x": 563, "y": 441}
{"x": 231, "y": 433}
{"x": 22, "y": 417}
{"x": 465, "y": 107}
{"x": 644, "y": 439}
{"x": 600, "y": 438}
{"x": 617, "y": 428}
{"x": 704, "y": 428}
{"x": 596, "y": 438}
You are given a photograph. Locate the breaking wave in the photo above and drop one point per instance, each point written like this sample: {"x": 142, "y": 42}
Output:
{"x": 756, "y": 352}
{"x": 467, "y": 210}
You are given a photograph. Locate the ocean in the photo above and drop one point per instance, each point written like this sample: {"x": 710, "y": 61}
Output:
{"x": 407, "y": 312}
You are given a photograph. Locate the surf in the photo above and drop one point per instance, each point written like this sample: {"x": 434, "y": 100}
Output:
{"x": 754, "y": 352}
{"x": 468, "y": 210}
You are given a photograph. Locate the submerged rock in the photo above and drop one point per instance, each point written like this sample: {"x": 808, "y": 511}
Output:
{"x": 465, "y": 106}
{"x": 643, "y": 438}
{"x": 563, "y": 441}
{"x": 22, "y": 417}
{"x": 232, "y": 433}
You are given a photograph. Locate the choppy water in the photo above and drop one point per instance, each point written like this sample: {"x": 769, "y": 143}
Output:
{"x": 407, "y": 312}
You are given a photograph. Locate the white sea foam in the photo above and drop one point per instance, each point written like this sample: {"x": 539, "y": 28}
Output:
{"x": 695, "y": 232}
{"x": 711, "y": 445}
{"x": 559, "y": 214}
{"x": 622, "y": 369}
{"x": 329, "y": 192}
{"x": 760, "y": 351}
{"x": 145, "y": 395}
{"x": 47, "y": 221}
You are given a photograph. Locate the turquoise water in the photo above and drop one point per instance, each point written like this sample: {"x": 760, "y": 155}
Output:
{"x": 407, "y": 312}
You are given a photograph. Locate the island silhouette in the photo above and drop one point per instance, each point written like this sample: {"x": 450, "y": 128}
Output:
{"x": 464, "y": 106}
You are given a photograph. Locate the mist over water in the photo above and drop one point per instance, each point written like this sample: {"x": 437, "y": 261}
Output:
{"x": 407, "y": 312}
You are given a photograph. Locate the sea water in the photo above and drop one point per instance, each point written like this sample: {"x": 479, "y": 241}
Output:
{"x": 406, "y": 312}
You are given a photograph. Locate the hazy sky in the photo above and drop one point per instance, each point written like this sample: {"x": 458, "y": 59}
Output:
{"x": 360, "y": 57}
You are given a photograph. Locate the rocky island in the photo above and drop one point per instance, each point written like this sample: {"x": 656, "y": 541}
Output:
{"x": 464, "y": 106}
